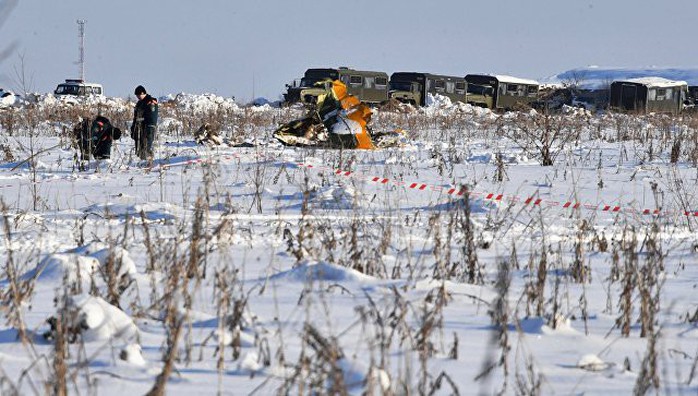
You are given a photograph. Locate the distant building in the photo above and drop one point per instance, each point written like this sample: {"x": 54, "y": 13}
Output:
{"x": 648, "y": 95}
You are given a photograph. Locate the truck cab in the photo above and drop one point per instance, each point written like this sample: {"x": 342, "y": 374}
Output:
{"x": 370, "y": 87}
{"x": 406, "y": 92}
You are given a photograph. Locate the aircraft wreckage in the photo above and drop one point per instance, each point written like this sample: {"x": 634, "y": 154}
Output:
{"x": 337, "y": 120}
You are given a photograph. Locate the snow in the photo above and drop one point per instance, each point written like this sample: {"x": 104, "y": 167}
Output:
{"x": 133, "y": 354}
{"x": 655, "y": 82}
{"x": 314, "y": 267}
{"x": 101, "y": 321}
{"x": 595, "y": 77}
{"x": 7, "y": 99}
{"x": 515, "y": 80}
{"x": 55, "y": 267}
{"x": 311, "y": 271}
{"x": 199, "y": 103}
{"x": 591, "y": 362}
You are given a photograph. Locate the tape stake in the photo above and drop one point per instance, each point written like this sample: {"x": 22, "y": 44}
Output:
{"x": 499, "y": 197}
{"x": 423, "y": 186}
{"x": 489, "y": 196}
{"x": 413, "y": 185}
{"x": 567, "y": 205}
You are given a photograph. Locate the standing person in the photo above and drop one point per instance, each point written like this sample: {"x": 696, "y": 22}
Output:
{"x": 145, "y": 123}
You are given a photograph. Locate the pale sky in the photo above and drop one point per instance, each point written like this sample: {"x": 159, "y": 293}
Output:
{"x": 245, "y": 48}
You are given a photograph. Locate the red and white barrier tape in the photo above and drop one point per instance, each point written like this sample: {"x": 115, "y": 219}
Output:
{"x": 451, "y": 191}
{"x": 513, "y": 199}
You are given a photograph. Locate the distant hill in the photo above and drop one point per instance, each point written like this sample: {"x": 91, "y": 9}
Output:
{"x": 593, "y": 77}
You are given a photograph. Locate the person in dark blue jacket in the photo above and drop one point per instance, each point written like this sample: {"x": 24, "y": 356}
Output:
{"x": 145, "y": 123}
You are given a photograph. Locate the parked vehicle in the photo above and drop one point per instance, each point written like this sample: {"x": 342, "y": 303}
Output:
{"x": 413, "y": 88}
{"x": 648, "y": 94}
{"x": 371, "y": 87}
{"x": 501, "y": 92}
{"x": 78, "y": 88}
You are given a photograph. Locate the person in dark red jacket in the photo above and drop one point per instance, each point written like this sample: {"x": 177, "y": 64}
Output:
{"x": 145, "y": 123}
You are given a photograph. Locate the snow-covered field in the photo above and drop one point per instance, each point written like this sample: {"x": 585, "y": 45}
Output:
{"x": 266, "y": 269}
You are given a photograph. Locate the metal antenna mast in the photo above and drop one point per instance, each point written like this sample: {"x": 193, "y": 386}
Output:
{"x": 81, "y": 60}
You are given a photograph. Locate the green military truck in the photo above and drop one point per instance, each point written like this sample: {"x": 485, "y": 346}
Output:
{"x": 371, "y": 87}
{"x": 648, "y": 95}
{"x": 413, "y": 88}
{"x": 500, "y": 92}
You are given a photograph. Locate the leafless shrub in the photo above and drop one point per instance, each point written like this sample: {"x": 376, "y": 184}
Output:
{"x": 299, "y": 245}
{"x": 649, "y": 282}
{"x": 628, "y": 279}
{"x": 7, "y": 155}
{"x": 430, "y": 320}
{"x": 500, "y": 168}
{"x": 59, "y": 381}
{"x": 472, "y": 270}
{"x": 649, "y": 371}
{"x": 529, "y": 382}
{"x": 9, "y": 119}
{"x": 542, "y": 135}
{"x": 176, "y": 283}
{"x": 535, "y": 288}
{"x": 20, "y": 290}
{"x": 438, "y": 383}
{"x": 318, "y": 368}
{"x": 579, "y": 270}
{"x": 499, "y": 347}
